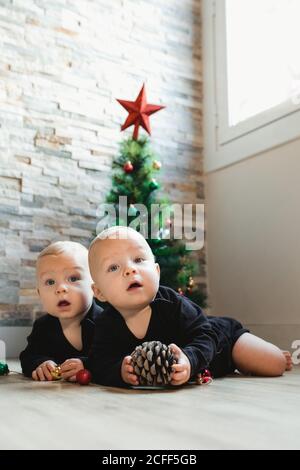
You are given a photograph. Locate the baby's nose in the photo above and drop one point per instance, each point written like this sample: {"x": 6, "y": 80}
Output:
{"x": 129, "y": 270}
{"x": 61, "y": 288}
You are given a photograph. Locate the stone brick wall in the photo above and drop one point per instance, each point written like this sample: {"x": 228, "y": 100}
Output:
{"x": 62, "y": 64}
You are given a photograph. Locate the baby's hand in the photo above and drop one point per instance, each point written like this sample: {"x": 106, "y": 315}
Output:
{"x": 43, "y": 371}
{"x": 69, "y": 369}
{"x": 127, "y": 372}
{"x": 182, "y": 370}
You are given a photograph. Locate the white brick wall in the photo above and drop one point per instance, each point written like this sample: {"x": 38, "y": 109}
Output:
{"x": 62, "y": 64}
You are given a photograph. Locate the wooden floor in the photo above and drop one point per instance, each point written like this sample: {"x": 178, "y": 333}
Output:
{"x": 232, "y": 413}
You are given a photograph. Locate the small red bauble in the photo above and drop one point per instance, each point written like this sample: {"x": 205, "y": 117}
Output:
{"x": 83, "y": 377}
{"x": 206, "y": 380}
{"x": 206, "y": 373}
{"x": 128, "y": 167}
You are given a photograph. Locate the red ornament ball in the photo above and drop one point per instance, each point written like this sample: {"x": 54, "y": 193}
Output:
{"x": 206, "y": 380}
{"x": 206, "y": 373}
{"x": 83, "y": 377}
{"x": 128, "y": 167}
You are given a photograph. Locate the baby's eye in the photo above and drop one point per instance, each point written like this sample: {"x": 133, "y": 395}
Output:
{"x": 113, "y": 268}
{"x": 50, "y": 282}
{"x": 74, "y": 278}
{"x": 138, "y": 259}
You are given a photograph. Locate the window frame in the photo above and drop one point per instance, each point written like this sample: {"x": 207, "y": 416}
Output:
{"x": 223, "y": 144}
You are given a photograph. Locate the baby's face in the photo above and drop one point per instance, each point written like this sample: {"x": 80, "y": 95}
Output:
{"x": 125, "y": 273}
{"x": 64, "y": 284}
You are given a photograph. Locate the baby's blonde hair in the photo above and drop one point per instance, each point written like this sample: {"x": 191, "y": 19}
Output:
{"x": 76, "y": 251}
{"x": 115, "y": 232}
{"x": 59, "y": 247}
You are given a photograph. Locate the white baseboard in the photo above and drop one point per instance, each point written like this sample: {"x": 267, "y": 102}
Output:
{"x": 13, "y": 340}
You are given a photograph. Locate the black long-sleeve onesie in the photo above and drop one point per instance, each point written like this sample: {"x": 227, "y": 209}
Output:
{"x": 207, "y": 341}
{"x": 48, "y": 342}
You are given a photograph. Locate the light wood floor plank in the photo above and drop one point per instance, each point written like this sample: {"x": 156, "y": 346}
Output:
{"x": 232, "y": 413}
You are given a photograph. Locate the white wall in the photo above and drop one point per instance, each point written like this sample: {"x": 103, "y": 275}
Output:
{"x": 253, "y": 243}
{"x": 12, "y": 340}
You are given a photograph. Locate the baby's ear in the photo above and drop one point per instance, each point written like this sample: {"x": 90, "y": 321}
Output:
{"x": 157, "y": 268}
{"x": 97, "y": 293}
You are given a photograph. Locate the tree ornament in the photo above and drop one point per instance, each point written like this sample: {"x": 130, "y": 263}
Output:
{"x": 139, "y": 112}
{"x": 191, "y": 282}
{"x": 164, "y": 233}
{"x": 153, "y": 184}
{"x": 132, "y": 210}
{"x": 156, "y": 165}
{"x": 152, "y": 363}
{"x": 180, "y": 291}
{"x": 83, "y": 377}
{"x": 4, "y": 370}
{"x": 128, "y": 167}
{"x": 56, "y": 373}
{"x": 204, "y": 377}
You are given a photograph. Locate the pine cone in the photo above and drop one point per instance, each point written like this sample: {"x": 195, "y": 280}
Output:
{"x": 152, "y": 363}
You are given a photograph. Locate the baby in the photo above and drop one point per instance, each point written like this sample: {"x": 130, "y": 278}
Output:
{"x": 125, "y": 274}
{"x": 64, "y": 335}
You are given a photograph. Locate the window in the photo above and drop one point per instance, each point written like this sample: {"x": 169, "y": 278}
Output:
{"x": 251, "y": 77}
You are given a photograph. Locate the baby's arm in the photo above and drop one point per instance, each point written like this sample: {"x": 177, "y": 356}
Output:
{"x": 182, "y": 369}
{"x": 108, "y": 351}
{"x": 198, "y": 341}
{"x": 35, "y": 354}
{"x": 127, "y": 372}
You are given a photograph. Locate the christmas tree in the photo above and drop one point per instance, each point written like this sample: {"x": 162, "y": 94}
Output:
{"x": 134, "y": 182}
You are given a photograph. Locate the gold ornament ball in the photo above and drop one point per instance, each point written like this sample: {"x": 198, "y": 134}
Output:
{"x": 156, "y": 165}
{"x": 56, "y": 373}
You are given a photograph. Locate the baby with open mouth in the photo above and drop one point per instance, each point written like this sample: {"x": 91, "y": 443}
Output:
{"x": 64, "y": 335}
{"x": 126, "y": 276}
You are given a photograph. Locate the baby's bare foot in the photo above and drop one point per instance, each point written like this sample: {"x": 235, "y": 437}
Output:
{"x": 288, "y": 357}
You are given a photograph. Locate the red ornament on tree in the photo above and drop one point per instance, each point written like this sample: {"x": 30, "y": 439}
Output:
{"x": 128, "y": 167}
{"x": 139, "y": 112}
{"x": 83, "y": 377}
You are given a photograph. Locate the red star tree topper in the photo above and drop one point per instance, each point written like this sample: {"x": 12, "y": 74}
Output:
{"x": 139, "y": 112}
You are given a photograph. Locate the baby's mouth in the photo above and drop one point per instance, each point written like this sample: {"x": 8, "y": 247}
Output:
{"x": 63, "y": 303}
{"x": 134, "y": 285}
